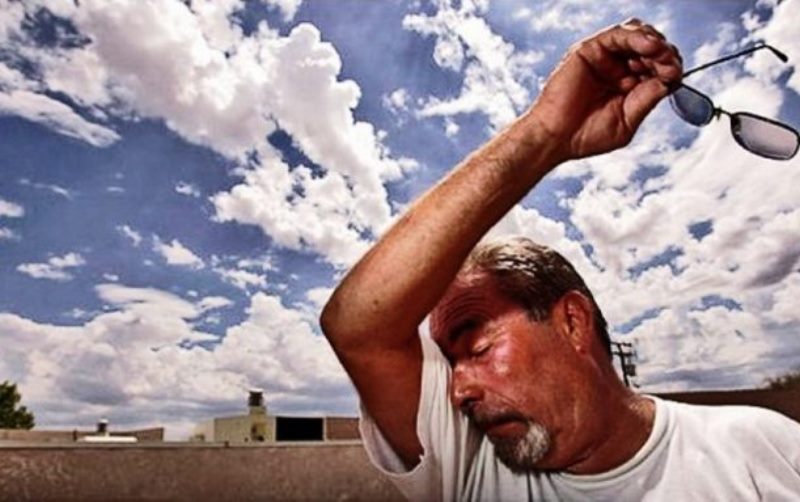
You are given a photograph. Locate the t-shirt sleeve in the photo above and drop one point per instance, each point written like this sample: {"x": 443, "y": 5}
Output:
{"x": 447, "y": 439}
{"x": 776, "y": 457}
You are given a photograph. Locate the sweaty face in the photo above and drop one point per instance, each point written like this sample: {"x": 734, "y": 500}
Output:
{"x": 508, "y": 371}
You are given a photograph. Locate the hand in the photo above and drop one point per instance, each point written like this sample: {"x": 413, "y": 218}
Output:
{"x": 605, "y": 86}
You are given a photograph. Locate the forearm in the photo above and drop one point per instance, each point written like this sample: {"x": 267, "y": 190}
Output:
{"x": 398, "y": 282}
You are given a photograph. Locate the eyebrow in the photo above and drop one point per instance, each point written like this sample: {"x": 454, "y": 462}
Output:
{"x": 461, "y": 328}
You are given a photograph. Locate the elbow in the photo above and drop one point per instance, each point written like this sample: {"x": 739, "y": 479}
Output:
{"x": 342, "y": 324}
{"x": 336, "y": 323}
{"x": 328, "y": 319}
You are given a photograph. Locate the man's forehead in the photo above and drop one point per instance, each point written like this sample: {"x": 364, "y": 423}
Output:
{"x": 467, "y": 290}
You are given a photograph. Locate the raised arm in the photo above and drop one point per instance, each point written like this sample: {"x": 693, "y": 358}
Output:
{"x": 592, "y": 103}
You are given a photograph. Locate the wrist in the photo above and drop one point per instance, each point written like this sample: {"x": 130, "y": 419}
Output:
{"x": 533, "y": 145}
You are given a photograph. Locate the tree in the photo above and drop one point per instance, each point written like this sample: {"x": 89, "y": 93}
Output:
{"x": 785, "y": 382}
{"x": 13, "y": 416}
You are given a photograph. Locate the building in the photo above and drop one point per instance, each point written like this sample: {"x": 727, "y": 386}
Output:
{"x": 258, "y": 426}
{"x": 101, "y": 434}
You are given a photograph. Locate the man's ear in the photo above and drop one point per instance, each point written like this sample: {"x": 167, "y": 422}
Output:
{"x": 573, "y": 317}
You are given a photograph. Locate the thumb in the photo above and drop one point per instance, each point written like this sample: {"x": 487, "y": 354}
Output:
{"x": 641, "y": 100}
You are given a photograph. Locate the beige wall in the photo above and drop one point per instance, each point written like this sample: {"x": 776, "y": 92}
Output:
{"x": 244, "y": 428}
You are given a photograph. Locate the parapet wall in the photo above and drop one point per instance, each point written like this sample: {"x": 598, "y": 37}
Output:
{"x": 334, "y": 470}
{"x": 191, "y": 472}
{"x": 783, "y": 401}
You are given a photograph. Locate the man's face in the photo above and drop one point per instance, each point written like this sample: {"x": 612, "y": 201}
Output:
{"x": 517, "y": 379}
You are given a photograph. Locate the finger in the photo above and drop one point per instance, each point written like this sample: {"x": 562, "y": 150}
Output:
{"x": 649, "y": 28}
{"x": 677, "y": 52}
{"x": 610, "y": 51}
{"x": 632, "y": 21}
{"x": 627, "y": 83}
{"x": 630, "y": 41}
{"x": 641, "y": 100}
{"x": 636, "y": 65}
{"x": 667, "y": 67}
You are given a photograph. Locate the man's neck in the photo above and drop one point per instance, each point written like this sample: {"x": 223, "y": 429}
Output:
{"x": 631, "y": 419}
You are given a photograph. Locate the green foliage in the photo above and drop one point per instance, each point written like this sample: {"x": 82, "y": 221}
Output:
{"x": 785, "y": 382}
{"x": 13, "y": 416}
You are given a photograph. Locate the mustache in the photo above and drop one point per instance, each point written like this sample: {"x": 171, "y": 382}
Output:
{"x": 484, "y": 418}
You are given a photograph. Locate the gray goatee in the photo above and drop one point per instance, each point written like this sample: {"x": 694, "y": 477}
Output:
{"x": 521, "y": 454}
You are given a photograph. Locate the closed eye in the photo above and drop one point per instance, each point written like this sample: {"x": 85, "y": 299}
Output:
{"x": 462, "y": 329}
{"x": 480, "y": 349}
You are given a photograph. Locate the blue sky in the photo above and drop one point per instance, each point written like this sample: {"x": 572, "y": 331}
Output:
{"x": 183, "y": 183}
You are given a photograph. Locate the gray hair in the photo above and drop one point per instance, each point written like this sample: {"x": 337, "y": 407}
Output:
{"x": 534, "y": 276}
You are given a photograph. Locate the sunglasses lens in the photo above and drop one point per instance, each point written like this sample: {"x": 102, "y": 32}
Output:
{"x": 692, "y": 106}
{"x": 763, "y": 137}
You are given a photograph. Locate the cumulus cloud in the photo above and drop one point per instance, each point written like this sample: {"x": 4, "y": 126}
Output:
{"x": 129, "y": 364}
{"x": 176, "y": 253}
{"x": 55, "y": 115}
{"x": 187, "y": 189}
{"x": 55, "y": 269}
{"x": 8, "y": 234}
{"x": 10, "y": 210}
{"x": 496, "y": 75}
{"x": 198, "y": 72}
{"x": 56, "y": 189}
{"x": 242, "y": 279}
{"x": 559, "y": 15}
{"x": 779, "y": 32}
{"x": 214, "y": 302}
{"x": 709, "y": 348}
{"x": 134, "y": 236}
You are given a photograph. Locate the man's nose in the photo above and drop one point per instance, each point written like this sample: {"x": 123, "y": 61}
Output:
{"x": 465, "y": 388}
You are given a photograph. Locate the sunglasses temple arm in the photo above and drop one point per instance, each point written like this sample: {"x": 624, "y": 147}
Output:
{"x": 780, "y": 55}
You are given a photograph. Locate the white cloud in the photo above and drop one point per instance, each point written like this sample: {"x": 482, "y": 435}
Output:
{"x": 397, "y": 101}
{"x": 111, "y": 277}
{"x": 215, "y": 86}
{"x": 242, "y": 279}
{"x": 288, "y": 7}
{"x": 214, "y": 302}
{"x": 261, "y": 263}
{"x": 319, "y": 296}
{"x": 713, "y": 348}
{"x": 261, "y": 200}
{"x": 54, "y": 269}
{"x": 176, "y": 253}
{"x": 496, "y": 76}
{"x": 780, "y": 32}
{"x": 187, "y": 189}
{"x": 574, "y": 16}
{"x": 58, "y": 190}
{"x": 8, "y": 234}
{"x": 451, "y": 128}
{"x": 10, "y": 209}
{"x": 55, "y": 115}
{"x": 133, "y": 235}
{"x": 12, "y": 18}
{"x": 128, "y": 364}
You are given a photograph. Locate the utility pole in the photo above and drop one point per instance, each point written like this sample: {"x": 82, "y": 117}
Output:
{"x": 627, "y": 357}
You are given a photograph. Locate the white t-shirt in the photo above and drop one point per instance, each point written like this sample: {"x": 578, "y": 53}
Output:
{"x": 725, "y": 453}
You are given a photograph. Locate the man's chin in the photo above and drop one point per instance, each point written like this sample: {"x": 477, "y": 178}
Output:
{"x": 520, "y": 450}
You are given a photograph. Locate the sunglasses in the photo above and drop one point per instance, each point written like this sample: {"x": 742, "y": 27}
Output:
{"x": 759, "y": 135}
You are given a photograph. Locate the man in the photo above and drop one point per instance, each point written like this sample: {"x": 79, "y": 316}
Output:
{"x": 514, "y": 397}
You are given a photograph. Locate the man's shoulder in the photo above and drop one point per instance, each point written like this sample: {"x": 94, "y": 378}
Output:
{"x": 737, "y": 422}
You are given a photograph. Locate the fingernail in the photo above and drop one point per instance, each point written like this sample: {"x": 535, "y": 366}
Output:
{"x": 652, "y": 37}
